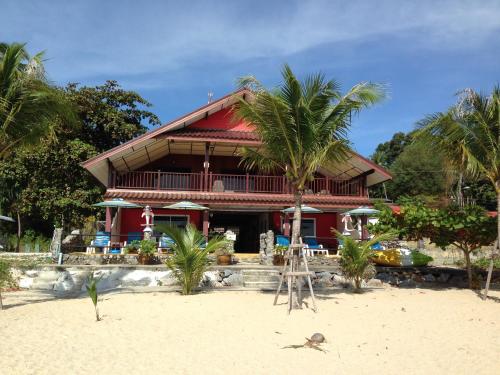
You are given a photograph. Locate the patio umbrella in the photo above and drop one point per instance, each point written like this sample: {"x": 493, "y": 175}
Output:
{"x": 304, "y": 208}
{"x": 118, "y": 203}
{"x": 6, "y": 218}
{"x": 363, "y": 210}
{"x": 186, "y": 205}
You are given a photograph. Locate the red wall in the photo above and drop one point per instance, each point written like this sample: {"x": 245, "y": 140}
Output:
{"x": 131, "y": 219}
{"x": 324, "y": 222}
{"x": 222, "y": 119}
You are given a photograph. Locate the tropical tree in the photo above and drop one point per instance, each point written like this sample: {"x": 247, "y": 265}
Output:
{"x": 302, "y": 125}
{"x": 28, "y": 104}
{"x": 469, "y": 135}
{"x": 355, "y": 259}
{"x": 190, "y": 258}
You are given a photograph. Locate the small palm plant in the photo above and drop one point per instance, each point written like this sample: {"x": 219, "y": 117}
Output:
{"x": 355, "y": 261}
{"x": 190, "y": 258}
{"x": 91, "y": 286}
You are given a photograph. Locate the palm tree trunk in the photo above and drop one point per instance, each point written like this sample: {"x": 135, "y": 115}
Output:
{"x": 297, "y": 216}
{"x": 469, "y": 268}
{"x": 496, "y": 247}
{"x": 18, "y": 246}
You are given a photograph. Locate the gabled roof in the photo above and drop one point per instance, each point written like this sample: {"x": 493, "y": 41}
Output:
{"x": 211, "y": 123}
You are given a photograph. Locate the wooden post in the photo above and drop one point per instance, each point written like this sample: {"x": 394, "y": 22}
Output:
{"x": 158, "y": 178}
{"x": 206, "y": 163}
{"x": 247, "y": 183}
{"x": 206, "y": 224}
{"x": 108, "y": 219}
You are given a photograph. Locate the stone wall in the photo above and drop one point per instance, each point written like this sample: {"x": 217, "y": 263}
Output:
{"x": 70, "y": 280}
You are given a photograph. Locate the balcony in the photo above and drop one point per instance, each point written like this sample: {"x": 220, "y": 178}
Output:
{"x": 233, "y": 183}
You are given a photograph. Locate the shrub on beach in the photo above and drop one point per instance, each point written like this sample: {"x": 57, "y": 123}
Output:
{"x": 355, "y": 260}
{"x": 190, "y": 258}
{"x": 5, "y": 278}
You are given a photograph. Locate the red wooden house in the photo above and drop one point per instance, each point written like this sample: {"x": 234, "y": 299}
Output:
{"x": 195, "y": 158}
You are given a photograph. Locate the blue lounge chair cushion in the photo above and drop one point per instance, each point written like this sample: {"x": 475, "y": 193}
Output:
{"x": 166, "y": 242}
{"x": 102, "y": 239}
{"x": 282, "y": 240}
{"x": 377, "y": 246}
{"x": 312, "y": 243}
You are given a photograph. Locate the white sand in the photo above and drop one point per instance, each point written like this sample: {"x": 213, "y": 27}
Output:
{"x": 387, "y": 331}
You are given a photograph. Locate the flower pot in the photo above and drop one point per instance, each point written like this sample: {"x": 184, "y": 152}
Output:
{"x": 224, "y": 260}
{"x": 145, "y": 259}
{"x": 278, "y": 260}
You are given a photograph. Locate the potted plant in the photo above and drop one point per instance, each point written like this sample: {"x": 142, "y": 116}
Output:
{"x": 279, "y": 255}
{"x": 224, "y": 255}
{"x": 147, "y": 252}
{"x": 133, "y": 247}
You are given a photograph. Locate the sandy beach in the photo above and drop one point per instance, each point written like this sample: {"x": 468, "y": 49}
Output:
{"x": 390, "y": 331}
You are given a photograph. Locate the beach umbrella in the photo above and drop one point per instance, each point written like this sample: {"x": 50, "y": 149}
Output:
{"x": 186, "y": 205}
{"x": 304, "y": 208}
{"x": 6, "y": 218}
{"x": 117, "y": 203}
{"x": 363, "y": 210}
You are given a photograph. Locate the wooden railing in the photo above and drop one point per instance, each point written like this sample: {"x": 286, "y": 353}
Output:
{"x": 228, "y": 183}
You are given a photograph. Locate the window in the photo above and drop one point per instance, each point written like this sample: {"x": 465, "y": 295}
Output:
{"x": 307, "y": 227}
{"x": 179, "y": 221}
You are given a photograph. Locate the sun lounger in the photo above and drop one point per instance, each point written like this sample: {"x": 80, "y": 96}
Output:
{"x": 165, "y": 243}
{"x": 102, "y": 240}
{"x": 311, "y": 246}
{"x": 282, "y": 240}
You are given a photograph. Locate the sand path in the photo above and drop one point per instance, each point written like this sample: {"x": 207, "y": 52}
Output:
{"x": 389, "y": 331}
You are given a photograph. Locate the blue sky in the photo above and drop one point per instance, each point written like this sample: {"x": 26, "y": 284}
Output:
{"x": 174, "y": 52}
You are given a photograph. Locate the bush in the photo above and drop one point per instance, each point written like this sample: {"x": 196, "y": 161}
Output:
{"x": 355, "y": 259}
{"x": 190, "y": 258}
{"x": 484, "y": 263}
{"x": 148, "y": 247}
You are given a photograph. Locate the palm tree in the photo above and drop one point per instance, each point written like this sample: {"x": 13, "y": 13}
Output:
{"x": 190, "y": 258}
{"x": 28, "y": 104}
{"x": 469, "y": 135}
{"x": 302, "y": 125}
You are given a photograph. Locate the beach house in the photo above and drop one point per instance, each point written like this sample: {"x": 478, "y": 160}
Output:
{"x": 195, "y": 158}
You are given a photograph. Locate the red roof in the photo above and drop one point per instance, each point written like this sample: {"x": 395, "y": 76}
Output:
{"x": 215, "y": 133}
{"x": 258, "y": 199}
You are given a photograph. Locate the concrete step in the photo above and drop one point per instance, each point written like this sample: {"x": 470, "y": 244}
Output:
{"x": 270, "y": 276}
{"x": 271, "y": 285}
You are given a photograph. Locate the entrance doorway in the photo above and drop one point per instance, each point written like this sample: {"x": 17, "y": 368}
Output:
{"x": 246, "y": 225}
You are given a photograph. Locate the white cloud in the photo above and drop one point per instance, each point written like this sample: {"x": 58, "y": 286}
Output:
{"x": 89, "y": 39}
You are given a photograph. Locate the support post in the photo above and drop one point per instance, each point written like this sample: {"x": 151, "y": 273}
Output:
{"x": 206, "y": 224}
{"x": 206, "y": 163}
{"x": 108, "y": 219}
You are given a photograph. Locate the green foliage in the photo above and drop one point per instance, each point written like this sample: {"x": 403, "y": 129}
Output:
{"x": 387, "y": 153}
{"x": 190, "y": 259}
{"x": 109, "y": 115}
{"x": 420, "y": 259}
{"x": 133, "y": 246}
{"x": 355, "y": 260}
{"x": 484, "y": 263}
{"x": 5, "y": 274}
{"x": 46, "y": 185}
{"x": 467, "y": 228}
{"x": 302, "y": 125}
{"x": 91, "y": 287}
{"x": 28, "y": 104}
{"x": 147, "y": 247}
{"x": 418, "y": 171}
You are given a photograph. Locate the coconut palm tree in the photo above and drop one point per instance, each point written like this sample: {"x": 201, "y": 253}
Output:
{"x": 302, "y": 125}
{"x": 28, "y": 103}
{"x": 189, "y": 261}
{"x": 469, "y": 135}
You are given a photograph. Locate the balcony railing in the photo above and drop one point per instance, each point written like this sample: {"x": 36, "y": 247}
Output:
{"x": 232, "y": 183}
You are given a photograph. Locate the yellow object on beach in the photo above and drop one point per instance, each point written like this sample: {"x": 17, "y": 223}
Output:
{"x": 387, "y": 257}
{"x": 400, "y": 257}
